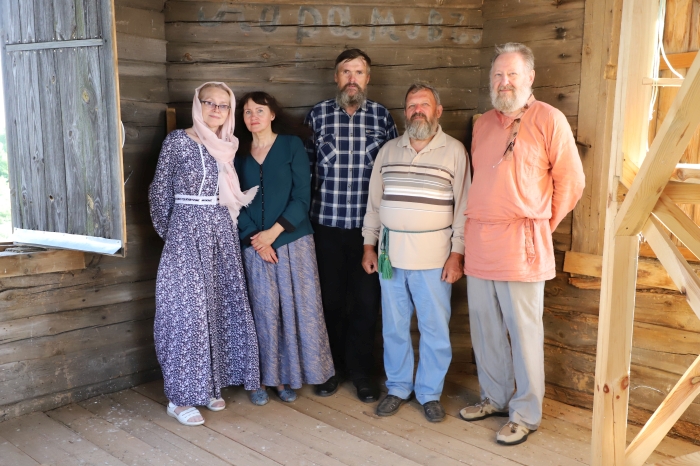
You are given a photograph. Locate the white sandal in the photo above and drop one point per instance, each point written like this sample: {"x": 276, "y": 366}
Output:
{"x": 185, "y": 416}
{"x": 216, "y": 408}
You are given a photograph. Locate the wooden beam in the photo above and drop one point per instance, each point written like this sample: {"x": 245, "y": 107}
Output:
{"x": 170, "y": 120}
{"x": 620, "y": 253}
{"x": 650, "y": 274}
{"x": 678, "y": 223}
{"x": 681, "y": 273}
{"x": 688, "y": 387}
{"x": 667, "y": 149}
{"x": 683, "y": 193}
{"x": 687, "y": 172}
{"x": 678, "y": 60}
{"x": 60, "y": 260}
{"x": 663, "y": 82}
{"x": 665, "y": 416}
{"x": 601, "y": 35}
{"x": 616, "y": 318}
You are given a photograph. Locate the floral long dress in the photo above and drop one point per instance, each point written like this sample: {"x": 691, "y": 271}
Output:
{"x": 204, "y": 330}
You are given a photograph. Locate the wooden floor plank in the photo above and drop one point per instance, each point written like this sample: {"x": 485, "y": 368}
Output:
{"x": 49, "y": 442}
{"x": 150, "y": 433}
{"x": 110, "y": 438}
{"x": 282, "y": 418}
{"x": 409, "y": 452}
{"x": 692, "y": 459}
{"x": 203, "y": 436}
{"x": 249, "y": 432}
{"x": 446, "y": 450}
{"x": 559, "y": 423}
{"x": 10, "y": 455}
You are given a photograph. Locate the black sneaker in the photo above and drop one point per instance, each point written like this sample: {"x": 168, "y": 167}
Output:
{"x": 434, "y": 412}
{"x": 390, "y": 405}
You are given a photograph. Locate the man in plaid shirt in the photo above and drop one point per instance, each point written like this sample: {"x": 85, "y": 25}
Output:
{"x": 348, "y": 133}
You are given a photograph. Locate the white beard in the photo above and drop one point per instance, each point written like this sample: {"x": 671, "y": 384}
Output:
{"x": 512, "y": 103}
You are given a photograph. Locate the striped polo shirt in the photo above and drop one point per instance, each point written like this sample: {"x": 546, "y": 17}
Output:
{"x": 421, "y": 197}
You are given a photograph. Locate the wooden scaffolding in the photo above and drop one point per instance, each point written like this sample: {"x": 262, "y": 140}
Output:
{"x": 649, "y": 208}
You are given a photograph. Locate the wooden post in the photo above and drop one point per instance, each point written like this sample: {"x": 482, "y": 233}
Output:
{"x": 620, "y": 253}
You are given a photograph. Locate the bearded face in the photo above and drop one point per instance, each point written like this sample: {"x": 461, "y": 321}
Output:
{"x": 421, "y": 127}
{"x": 511, "y": 82}
{"x": 351, "y": 95}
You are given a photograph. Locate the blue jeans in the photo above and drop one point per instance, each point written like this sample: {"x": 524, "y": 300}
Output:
{"x": 431, "y": 298}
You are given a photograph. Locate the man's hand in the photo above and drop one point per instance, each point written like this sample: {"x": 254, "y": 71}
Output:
{"x": 369, "y": 259}
{"x": 453, "y": 269}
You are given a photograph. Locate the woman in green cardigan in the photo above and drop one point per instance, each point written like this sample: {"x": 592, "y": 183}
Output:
{"x": 279, "y": 256}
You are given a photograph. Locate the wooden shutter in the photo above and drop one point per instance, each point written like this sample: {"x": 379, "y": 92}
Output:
{"x": 63, "y": 129}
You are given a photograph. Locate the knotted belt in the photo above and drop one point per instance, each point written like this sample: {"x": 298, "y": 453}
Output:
{"x": 384, "y": 264}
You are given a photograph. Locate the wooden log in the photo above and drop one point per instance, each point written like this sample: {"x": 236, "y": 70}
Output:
{"x": 313, "y": 35}
{"x": 144, "y": 89}
{"x": 131, "y": 47}
{"x": 548, "y": 74}
{"x": 510, "y": 8}
{"x": 139, "y": 22}
{"x": 286, "y": 24}
{"x": 142, "y": 69}
{"x": 15, "y": 264}
{"x": 669, "y": 144}
{"x": 54, "y": 400}
{"x": 555, "y": 26}
{"x": 153, "y": 5}
{"x": 322, "y": 56}
{"x": 459, "y": 4}
{"x": 140, "y": 114}
{"x": 303, "y": 74}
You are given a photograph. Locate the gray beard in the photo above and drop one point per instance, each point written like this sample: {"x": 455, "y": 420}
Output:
{"x": 421, "y": 129}
{"x": 505, "y": 104}
{"x": 345, "y": 100}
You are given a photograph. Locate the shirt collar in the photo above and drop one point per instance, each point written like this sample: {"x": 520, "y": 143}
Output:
{"x": 335, "y": 106}
{"x": 506, "y": 121}
{"x": 439, "y": 140}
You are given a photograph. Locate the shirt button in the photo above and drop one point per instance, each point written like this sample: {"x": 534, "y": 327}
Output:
{"x": 348, "y": 201}
{"x": 349, "y": 185}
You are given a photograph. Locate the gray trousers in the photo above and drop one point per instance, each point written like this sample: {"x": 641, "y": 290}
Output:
{"x": 496, "y": 310}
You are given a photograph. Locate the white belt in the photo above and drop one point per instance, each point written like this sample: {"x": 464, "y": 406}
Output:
{"x": 196, "y": 200}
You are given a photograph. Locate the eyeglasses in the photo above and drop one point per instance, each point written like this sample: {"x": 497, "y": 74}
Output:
{"x": 212, "y": 106}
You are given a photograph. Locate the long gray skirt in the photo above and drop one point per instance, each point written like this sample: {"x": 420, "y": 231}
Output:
{"x": 286, "y": 302}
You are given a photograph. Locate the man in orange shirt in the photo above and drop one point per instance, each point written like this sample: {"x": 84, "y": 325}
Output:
{"x": 527, "y": 177}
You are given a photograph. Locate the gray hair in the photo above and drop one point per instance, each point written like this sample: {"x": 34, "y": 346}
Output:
{"x": 516, "y": 47}
{"x": 416, "y": 87}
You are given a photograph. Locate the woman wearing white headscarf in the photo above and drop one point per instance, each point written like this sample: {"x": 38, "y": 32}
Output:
{"x": 204, "y": 331}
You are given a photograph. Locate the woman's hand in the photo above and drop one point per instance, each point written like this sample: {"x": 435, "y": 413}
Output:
{"x": 268, "y": 254}
{"x": 265, "y": 238}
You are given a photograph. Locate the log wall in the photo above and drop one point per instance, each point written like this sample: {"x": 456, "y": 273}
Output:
{"x": 288, "y": 48}
{"x": 72, "y": 335}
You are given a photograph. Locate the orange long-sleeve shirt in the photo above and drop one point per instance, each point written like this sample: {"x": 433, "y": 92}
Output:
{"x": 514, "y": 205}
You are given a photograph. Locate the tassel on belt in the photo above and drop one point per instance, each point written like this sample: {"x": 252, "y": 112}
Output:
{"x": 384, "y": 264}
{"x": 196, "y": 200}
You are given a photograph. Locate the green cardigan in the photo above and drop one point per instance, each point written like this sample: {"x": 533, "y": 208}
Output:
{"x": 284, "y": 191}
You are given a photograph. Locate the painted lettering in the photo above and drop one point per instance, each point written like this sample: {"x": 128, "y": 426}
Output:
{"x": 387, "y": 25}
{"x": 343, "y": 26}
{"x": 304, "y": 31}
{"x": 271, "y": 25}
{"x": 434, "y": 30}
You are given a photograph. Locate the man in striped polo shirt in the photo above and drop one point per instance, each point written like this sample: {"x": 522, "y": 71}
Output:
{"x": 417, "y": 196}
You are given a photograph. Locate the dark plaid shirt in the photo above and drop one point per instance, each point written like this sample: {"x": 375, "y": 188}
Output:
{"x": 342, "y": 151}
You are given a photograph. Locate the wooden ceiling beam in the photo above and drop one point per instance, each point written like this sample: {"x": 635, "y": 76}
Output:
{"x": 678, "y": 223}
